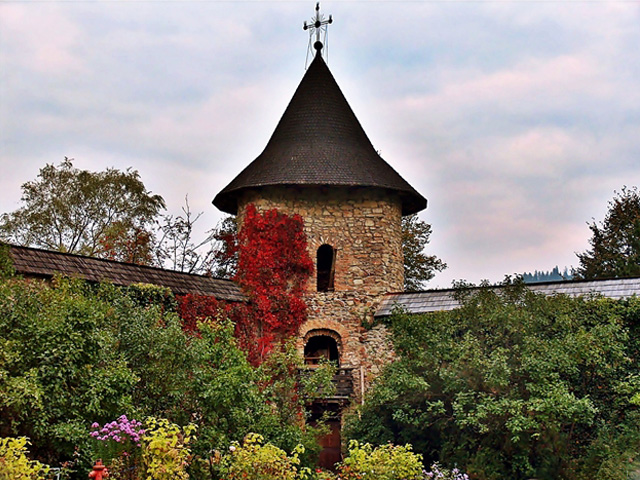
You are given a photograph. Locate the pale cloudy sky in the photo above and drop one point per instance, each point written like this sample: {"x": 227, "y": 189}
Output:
{"x": 516, "y": 119}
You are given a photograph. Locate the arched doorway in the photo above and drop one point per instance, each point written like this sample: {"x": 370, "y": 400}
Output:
{"x": 321, "y": 346}
{"x": 325, "y": 345}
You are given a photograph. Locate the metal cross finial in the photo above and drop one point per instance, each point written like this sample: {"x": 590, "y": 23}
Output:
{"x": 318, "y": 26}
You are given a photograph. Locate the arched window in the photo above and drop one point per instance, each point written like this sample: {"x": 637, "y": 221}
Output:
{"x": 326, "y": 263}
{"x": 319, "y": 348}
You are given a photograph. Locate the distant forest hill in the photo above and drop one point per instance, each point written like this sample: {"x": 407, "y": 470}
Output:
{"x": 552, "y": 276}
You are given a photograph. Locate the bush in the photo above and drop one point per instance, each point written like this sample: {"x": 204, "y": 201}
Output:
{"x": 386, "y": 462}
{"x": 14, "y": 463}
{"x": 165, "y": 453}
{"x": 513, "y": 385}
{"x": 254, "y": 460}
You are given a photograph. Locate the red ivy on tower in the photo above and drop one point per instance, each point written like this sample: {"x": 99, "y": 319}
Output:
{"x": 273, "y": 269}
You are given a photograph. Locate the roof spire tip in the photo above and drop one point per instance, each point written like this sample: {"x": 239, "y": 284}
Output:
{"x": 318, "y": 26}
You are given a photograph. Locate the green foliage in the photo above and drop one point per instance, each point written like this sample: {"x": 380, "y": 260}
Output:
{"x": 72, "y": 210}
{"x": 615, "y": 242}
{"x": 386, "y": 462}
{"x": 418, "y": 267}
{"x": 72, "y": 354}
{"x": 14, "y": 463}
{"x": 253, "y": 460}
{"x": 165, "y": 453}
{"x": 145, "y": 295}
{"x": 6, "y": 264}
{"x": 58, "y": 366}
{"x": 512, "y": 385}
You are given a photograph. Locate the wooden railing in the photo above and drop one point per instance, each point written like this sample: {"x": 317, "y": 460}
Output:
{"x": 342, "y": 381}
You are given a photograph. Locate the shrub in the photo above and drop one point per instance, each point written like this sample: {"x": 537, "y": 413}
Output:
{"x": 14, "y": 463}
{"x": 254, "y": 460}
{"x": 166, "y": 453}
{"x": 386, "y": 462}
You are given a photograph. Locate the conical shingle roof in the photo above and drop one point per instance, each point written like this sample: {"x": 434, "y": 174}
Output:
{"x": 319, "y": 142}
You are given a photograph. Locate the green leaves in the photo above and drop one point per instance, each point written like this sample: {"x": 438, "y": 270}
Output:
{"x": 511, "y": 385}
{"x": 74, "y": 210}
{"x": 386, "y": 462}
{"x": 418, "y": 267}
{"x": 615, "y": 242}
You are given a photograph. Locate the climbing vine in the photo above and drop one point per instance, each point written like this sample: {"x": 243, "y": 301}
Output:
{"x": 273, "y": 268}
{"x": 194, "y": 308}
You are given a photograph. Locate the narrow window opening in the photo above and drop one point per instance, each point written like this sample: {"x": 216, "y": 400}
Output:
{"x": 321, "y": 348}
{"x": 326, "y": 262}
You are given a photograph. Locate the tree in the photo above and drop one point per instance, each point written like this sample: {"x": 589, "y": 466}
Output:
{"x": 126, "y": 244}
{"x": 72, "y": 210}
{"x": 225, "y": 263}
{"x": 177, "y": 250}
{"x": 615, "y": 242}
{"x": 418, "y": 267}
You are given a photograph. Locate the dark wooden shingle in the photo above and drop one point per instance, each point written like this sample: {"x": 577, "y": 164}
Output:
{"x": 33, "y": 262}
{"x": 319, "y": 142}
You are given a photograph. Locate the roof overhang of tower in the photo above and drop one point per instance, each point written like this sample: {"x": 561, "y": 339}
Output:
{"x": 319, "y": 142}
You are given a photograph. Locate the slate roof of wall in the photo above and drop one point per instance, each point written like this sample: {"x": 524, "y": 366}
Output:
{"x": 33, "y": 262}
{"x": 319, "y": 142}
{"x": 439, "y": 300}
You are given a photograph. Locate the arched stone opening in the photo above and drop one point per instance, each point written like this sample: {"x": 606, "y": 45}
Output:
{"x": 325, "y": 266}
{"x": 322, "y": 345}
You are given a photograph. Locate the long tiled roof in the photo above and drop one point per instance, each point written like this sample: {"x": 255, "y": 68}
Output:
{"x": 438, "y": 300}
{"x": 33, "y": 262}
{"x": 319, "y": 142}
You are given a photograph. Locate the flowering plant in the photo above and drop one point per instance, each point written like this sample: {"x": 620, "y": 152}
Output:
{"x": 118, "y": 443}
{"x": 439, "y": 473}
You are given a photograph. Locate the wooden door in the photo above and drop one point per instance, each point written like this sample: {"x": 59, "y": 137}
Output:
{"x": 331, "y": 443}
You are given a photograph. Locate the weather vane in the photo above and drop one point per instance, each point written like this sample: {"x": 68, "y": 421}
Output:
{"x": 318, "y": 26}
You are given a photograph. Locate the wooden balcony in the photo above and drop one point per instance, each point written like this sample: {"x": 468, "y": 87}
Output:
{"x": 342, "y": 381}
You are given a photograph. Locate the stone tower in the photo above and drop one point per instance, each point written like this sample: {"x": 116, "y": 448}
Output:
{"x": 320, "y": 164}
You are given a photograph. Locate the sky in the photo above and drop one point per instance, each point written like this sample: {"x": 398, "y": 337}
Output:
{"x": 517, "y": 120}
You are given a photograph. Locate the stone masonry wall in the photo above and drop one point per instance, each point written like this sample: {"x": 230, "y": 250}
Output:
{"x": 364, "y": 227}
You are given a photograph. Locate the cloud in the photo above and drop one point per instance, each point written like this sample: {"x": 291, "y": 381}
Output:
{"x": 517, "y": 120}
